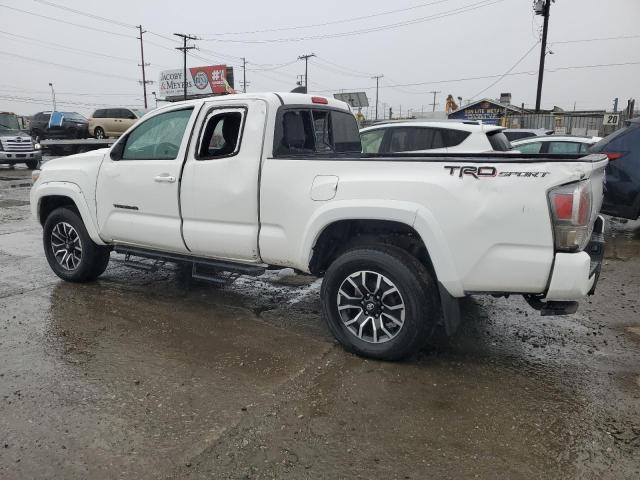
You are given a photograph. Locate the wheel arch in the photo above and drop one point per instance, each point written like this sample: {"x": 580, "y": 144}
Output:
{"x": 413, "y": 226}
{"x": 49, "y": 196}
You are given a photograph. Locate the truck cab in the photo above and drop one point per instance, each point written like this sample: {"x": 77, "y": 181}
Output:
{"x": 16, "y": 145}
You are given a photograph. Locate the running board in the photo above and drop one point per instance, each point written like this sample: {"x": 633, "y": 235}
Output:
{"x": 205, "y": 264}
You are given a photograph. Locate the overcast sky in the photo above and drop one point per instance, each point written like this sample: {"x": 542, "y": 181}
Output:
{"x": 444, "y": 41}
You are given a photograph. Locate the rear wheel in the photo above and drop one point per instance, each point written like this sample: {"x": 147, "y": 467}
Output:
{"x": 71, "y": 253}
{"x": 380, "y": 302}
{"x": 99, "y": 133}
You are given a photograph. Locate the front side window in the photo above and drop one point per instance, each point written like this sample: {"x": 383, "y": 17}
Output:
{"x": 529, "y": 148}
{"x": 372, "y": 140}
{"x": 221, "y": 135}
{"x": 158, "y": 138}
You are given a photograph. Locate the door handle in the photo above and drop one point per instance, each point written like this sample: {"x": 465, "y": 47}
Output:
{"x": 165, "y": 178}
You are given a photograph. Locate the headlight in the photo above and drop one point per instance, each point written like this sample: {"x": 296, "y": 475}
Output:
{"x": 36, "y": 146}
{"x": 35, "y": 174}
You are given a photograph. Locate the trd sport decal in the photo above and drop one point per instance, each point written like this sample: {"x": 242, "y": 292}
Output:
{"x": 490, "y": 172}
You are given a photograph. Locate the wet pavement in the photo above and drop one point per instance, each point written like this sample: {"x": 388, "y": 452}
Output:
{"x": 150, "y": 375}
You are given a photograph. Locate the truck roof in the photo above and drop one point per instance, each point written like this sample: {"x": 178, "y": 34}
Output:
{"x": 281, "y": 98}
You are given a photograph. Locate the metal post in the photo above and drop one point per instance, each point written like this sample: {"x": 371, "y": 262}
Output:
{"x": 244, "y": 75}
{"x": 434, "y": 99}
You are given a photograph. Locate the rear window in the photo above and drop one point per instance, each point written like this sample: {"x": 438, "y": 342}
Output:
{"x": 317, "y": 131}
{"x": 626, "y": 139}
{"x": 498, "y": 140}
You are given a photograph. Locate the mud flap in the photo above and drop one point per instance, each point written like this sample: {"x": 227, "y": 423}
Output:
{"x": 451, "y": 316}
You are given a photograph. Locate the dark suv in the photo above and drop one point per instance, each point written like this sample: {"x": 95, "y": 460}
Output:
{"x": 73, "y": 125}
{"x": 622, "y": 189}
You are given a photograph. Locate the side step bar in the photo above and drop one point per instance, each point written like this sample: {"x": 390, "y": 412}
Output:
{"x": 202, "y": 268}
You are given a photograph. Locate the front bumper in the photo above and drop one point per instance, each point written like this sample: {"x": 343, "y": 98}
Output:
{"x": 575, "y": 275}
{"x": 19, "y": 157}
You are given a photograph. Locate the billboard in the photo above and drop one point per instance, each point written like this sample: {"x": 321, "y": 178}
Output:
{"x": 207, "y": 80}
{"x": 355, "y": 99}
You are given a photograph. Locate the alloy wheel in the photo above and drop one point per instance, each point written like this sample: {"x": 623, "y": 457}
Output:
{"x": 66, "y": 246}
{"x": 371, "y": 306}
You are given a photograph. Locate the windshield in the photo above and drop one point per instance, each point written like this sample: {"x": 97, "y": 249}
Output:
{"x": 9, "y": 121}
{"x": 74, "y": 116}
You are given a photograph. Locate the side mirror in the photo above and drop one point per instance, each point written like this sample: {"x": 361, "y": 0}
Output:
{"x": 117, "y": 149}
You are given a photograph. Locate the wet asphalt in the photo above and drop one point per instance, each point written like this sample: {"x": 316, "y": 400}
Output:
{"x": 150, "y": 375}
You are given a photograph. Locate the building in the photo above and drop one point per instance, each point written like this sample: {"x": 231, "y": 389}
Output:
{"x": 487, "y": 110}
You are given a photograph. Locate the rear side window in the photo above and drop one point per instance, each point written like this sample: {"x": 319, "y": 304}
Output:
{"x": 518, "y": 135}
{"x": 98, "y": 114}
{"x": 454, "y": 138}
{"x": 317, "y": 131}
{"x": 564, "y": 147}
{"x": 499, "y": 142}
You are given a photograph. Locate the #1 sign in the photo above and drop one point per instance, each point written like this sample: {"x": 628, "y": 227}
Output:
{"x": 210, "y": 79}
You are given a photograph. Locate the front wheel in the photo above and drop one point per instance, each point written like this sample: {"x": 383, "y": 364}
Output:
{"x": 71, "y": 253}
{"x": 380, "y": 302}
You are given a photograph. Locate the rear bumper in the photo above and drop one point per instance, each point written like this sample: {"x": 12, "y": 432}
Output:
{"x": 19, "y": 157}
{"x": 575, "y": 275}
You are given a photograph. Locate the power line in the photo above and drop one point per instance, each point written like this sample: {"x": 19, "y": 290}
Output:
{"x": 464, "y": 9}
{"x": 69, "y": 67}
{"x": 86, "y": 14}
{"x": 67, "y": 22}
{"x": 620, "y": 37}
{"x": 507, "y": 72}
{"x": 334, "y": 22}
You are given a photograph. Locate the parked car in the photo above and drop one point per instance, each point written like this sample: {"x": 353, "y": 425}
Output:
{"x": 554, "y": 144}
{"x": 113, "y": 122}
{"x": 240, "y": 183}
{"x": 433, "y": 137}
{"x": 520, "y": 133}
{"x": 16, "y": 146}
{"x": 622, "y": 189}
{"x": 73, "y": 126}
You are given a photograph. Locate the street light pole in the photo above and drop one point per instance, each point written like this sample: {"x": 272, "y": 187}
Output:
{"x": 53, "y": 96}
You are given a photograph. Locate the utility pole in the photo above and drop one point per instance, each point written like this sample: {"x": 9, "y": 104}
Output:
{"x": 244, "y": 75}
{"x": 377, "y": 77}
{"x": 53, "y": 96}
{"x": 544, "y": 11}
{"x": 306, "y": 69}
{"x": 434, "y": 100}
{"x": 615, "y": 105}
{"x": 184, "y": 49}
{"x": 143, "y": 65}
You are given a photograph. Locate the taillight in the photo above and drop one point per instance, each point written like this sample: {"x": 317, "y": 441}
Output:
{"x": 320, "y": 100}
{"x": 613, "y": 155}
{"x": 571, "y": 214}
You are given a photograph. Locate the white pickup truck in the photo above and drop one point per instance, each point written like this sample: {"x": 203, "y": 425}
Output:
{"x": 242, "y": 183}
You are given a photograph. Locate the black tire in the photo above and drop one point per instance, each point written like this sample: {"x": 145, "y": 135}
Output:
{"x": 418, "y": 294}
{"x": 32, "y": 164}
{"x": 98, "y": 133}
{"x": 92, "y": 259}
